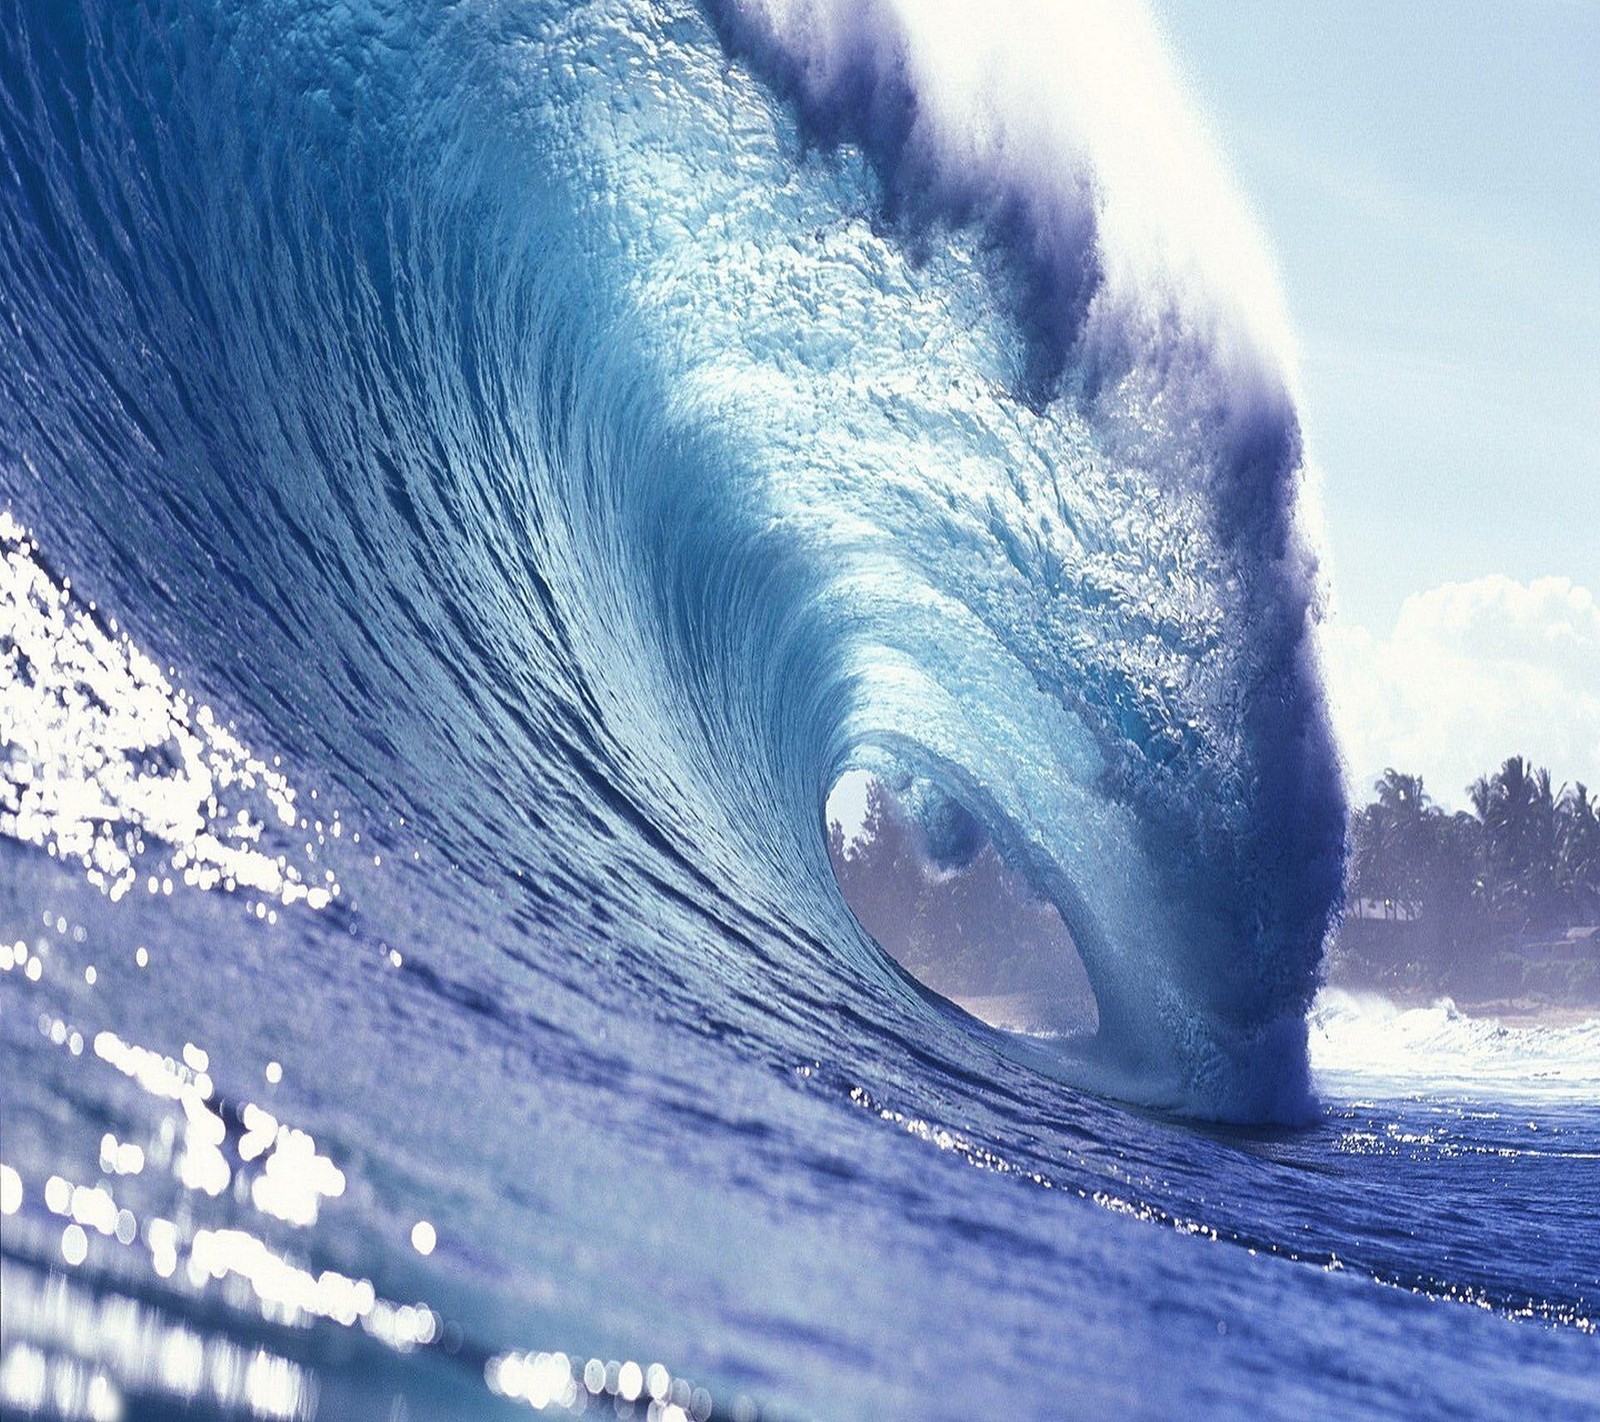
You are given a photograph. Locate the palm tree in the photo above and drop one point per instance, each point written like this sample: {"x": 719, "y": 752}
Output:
{"x": 880, "y": 872}
{"x": 1516, "y": 809}
{"x": 1392, "y": 844}
{"x": 1578, "y": 853}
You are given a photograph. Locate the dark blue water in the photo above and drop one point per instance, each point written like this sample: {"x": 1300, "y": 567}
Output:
{"x": 471, "y": 478}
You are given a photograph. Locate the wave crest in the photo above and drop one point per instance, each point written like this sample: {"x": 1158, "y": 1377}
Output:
{"x": 604, "y": 481}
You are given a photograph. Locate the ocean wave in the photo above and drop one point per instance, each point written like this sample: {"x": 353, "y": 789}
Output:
{"x": 665, "y": 436}
{"x": 1366, "y": 1043}
{"x": 557, "y": 442}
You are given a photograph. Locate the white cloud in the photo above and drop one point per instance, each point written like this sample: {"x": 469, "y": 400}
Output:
{"x": 1472, "y": 672}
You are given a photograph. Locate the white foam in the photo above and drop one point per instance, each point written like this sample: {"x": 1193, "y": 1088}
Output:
{"x": 1367, "y": 1045}
{"x": 1062, "y": 104}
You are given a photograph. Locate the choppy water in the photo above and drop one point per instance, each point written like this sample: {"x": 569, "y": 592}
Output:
{"x": 472, "y": 478}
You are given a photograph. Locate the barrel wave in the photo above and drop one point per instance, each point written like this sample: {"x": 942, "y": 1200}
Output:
{"x": 472, "y": 478}
{"x": 663, "y": 412}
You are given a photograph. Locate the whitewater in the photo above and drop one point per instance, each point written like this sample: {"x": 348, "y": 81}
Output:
{"x": 472, "y": 479}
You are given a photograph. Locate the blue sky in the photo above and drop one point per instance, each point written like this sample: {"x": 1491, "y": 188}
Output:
{"x": 1428, "y": 175}
{"x": 1429, "y": 178}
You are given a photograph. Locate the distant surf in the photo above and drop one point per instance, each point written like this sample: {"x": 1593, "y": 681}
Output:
{"x": 1364, "y": 1042}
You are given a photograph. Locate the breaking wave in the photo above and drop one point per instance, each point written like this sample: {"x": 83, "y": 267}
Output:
{"x": 664, "y": 427}
{"x": 473, "y": 478}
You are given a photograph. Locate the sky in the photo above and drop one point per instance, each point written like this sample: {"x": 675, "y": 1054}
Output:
{"x": 1428, "y": 177}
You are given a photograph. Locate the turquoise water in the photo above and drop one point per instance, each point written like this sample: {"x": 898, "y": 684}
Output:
{"x": 471, "y": 479}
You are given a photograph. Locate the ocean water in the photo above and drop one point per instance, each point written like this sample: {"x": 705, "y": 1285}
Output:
{"x": 472, "y": 478}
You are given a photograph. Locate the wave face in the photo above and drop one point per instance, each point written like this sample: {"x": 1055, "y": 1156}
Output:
{"x": 472, "y": 478}
{"x": 671, "y": 435}
{"x": 696, "y": 433}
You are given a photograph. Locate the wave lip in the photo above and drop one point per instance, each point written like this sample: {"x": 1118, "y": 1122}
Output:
{"x": 1060, "y": 132}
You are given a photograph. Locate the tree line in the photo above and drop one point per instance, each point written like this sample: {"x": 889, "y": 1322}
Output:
{"x": 1462, "y": 890}
{"x": 969, "y": 931}
{"x": 1524, "y": 861}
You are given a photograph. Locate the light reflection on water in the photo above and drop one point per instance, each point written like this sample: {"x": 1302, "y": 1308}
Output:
{"x": 72, "y": 1354}
{"x": 107, "y": 765}
{"x": 112, "y": 769}
{"x": 98, "y": 1274}
{"x": 205, "y": 1206}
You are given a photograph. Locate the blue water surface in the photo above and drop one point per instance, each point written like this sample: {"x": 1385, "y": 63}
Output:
{"x": 471, "y": 479}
